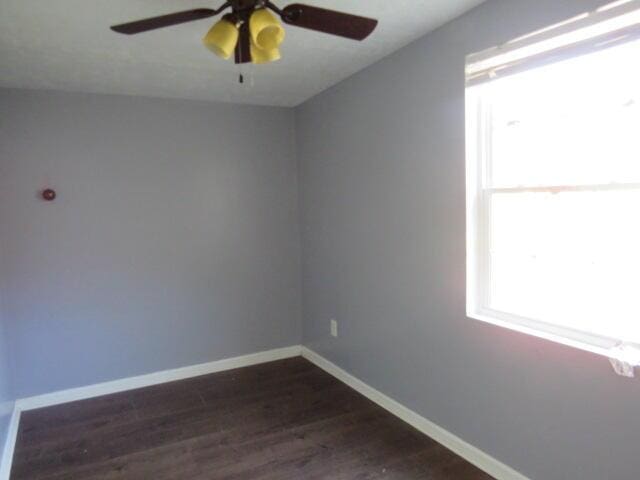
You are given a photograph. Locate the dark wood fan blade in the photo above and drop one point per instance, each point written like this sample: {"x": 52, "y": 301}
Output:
{"x": 243, "y": 49}
{"x": 163, "y": 21}
{"x": 329, "y": 21}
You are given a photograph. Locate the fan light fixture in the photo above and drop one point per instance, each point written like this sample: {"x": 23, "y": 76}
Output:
{"x": 266, "y": 32}
{"x": 222, "y": 38}
{"x": 251, "y": 33}
{"x": 266, "y": 36}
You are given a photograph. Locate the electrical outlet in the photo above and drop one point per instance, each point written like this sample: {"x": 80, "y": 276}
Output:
{"x": 334, "y": 328}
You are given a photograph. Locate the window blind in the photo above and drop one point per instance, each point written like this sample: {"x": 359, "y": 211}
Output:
{"x": 606, "y": 27}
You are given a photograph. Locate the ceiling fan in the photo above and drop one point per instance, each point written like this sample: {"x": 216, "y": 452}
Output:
{"x": 251, "y": 33}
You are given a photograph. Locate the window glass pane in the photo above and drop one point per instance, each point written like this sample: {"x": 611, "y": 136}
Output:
{"x": 574, "y": 122}
{"x": 572, "y": 259}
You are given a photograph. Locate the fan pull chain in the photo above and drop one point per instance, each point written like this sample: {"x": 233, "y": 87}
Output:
{"x": 246, "y": 77}
{"x": 241, "y": 74}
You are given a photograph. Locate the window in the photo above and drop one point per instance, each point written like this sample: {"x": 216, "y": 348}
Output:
{"x": 553, "y": 183}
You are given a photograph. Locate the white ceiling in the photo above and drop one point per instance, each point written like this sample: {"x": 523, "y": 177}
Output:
{"x": 67, "y": 45}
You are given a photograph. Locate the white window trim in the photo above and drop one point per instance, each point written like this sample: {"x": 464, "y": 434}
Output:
{"x": 478, "y": 151}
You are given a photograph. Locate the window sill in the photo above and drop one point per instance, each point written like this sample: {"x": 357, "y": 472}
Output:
{"x": 624, "y": 357}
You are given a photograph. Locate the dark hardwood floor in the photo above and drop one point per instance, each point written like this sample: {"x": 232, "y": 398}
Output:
{"x": 277, "y": 421}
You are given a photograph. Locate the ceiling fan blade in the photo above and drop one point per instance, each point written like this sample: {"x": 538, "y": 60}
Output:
{"x": 243, "y": 49}
{"x": 163, "y": 21}
{"x": 329, "y": 21}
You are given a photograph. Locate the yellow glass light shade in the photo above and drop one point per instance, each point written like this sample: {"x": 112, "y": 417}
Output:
{"x": 222, "y": 39}
{"x": 266, "y": 31}
{"x": 259, "y": 55}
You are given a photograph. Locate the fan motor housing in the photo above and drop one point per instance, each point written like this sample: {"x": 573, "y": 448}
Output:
{"x": 238, "y": 5}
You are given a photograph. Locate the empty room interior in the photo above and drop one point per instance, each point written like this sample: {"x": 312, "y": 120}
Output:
{"x": 331, "y": 240}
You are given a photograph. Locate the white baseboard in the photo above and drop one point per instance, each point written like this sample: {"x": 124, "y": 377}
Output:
{"x": 115, "y": 386}
{"x": 470, "y": 453}
{"x": 10, "y": 445}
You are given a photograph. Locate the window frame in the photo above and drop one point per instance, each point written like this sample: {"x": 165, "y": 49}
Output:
{"x": 478, "y": 206}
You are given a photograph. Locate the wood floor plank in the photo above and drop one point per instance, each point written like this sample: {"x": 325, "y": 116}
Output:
{"x": 276, "y": 421}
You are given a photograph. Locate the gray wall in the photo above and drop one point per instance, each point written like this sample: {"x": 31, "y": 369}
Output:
{"x": 173, "y": 240}
{"x": 383, "y": 225}
{"x": 6, "y": 395}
